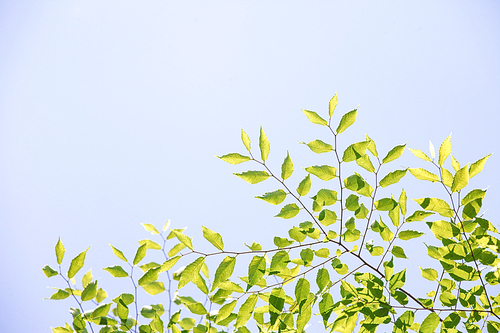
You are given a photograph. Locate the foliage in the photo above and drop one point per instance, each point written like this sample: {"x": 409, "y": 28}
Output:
{"x": 327, "y": 266}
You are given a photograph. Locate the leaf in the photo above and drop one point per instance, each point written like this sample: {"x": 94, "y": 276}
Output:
{"x": 347, "y": 120}
{"x": 418, "y": 216}
{"x": 245, "y": 139}
{"x": 48, "y": 271}
{"x": 225, "y": 311}
{"x": 263, "y": 145}
{"x": 286, "y": 167}
{"x": 461, "y": 179}
{"x": 302, "y": 289}
{"x": 141, "y": 253}
{"x": 446, "y": 176}
{"x": 116, "y": 271}
{"x": 327, "y": 217}
{"x": 288, "y": 211}
{"x": 304, "y": 186}
{"x": 150, "y": 245}
{"x": 429, "y": 273}
{"x": 176, "y": 249}
{"x": 59, "y": 251}
{"x": 183, "y": 239}
{"x": 398, "y": 280}
{"x": 234, "y": 158}
{"x": 253, "y": 177}
{"x": 297, "y": 234}
{"x": 436, "y": 205}
{"x": 323, "y": 172}
{"x": 322, "y": 278}
{"x": 77, "y": 263}
{"x": 402, "y": 202}
{"x": 392, "y": 178}
{"x": 371, "y": 146}
{"x": 477, "y": 166}
{"x": 60, "y": 294}
{"x": 319, "y": 146}
{"x": 431, "y": 149}
{"x": 89, "y": 292}
{"x": 192, "y": 305}
{"x": 169, "y": 264}
{"x": 214, "y": 238}
{"x": 365, "y": 163}
{"x": 315, "y": 118}
{"x": 355, "y": 151}
{"x": 394, "y": 153}
{"x": 385, "y": 204}
{"x": 325, "y": 197}
{"x": 332, "y": 105}
{"x": 191, "y": 272}
{"x": 420, "y": 154}
{"x": 430, "y": 323}
{"x": 279, "y": 262}
{"x": 256, "y": 270}
{"x": 151, "y": 228}
{"x": 444, "y": 150}
{"x": 118, "y": 253}
{"x": 246, "y": 310}
{"x": 358, "y": 184}
{"x": 398, "y": 252}
{"x": 224, "y": 271}
{"x": 409, "y": 234}
{"x": 423, "y": 174}
{"x": 276, "y": 303}
{"x": 473, "y": 195}
{"x": 254, "y": 246}
{"x": 282, "y": 242}
{"x": 150, "y": 276}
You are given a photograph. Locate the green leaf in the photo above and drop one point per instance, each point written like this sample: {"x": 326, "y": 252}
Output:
{"x": 352, "y": 202}
{"x": 118, "y": 253}
{"x": 256, "y": 270}
{"x": 477, "y": 166}
{"x": 141, "y": 253}
{"x": 398, "y": 252}
{"x": 420, "y": 154}
{"x": 381, "y": 227}
{"x": 224, "y": 271}
{"x": 48, "y": 271}
{"x": 473, "y": 195}
{"x": 116, "y": 271}
{"x": 150, "y": 276}
{"x": 182, "y": 238}
{"x": 436, "y": 205}
{"x": 150, "y": 245}
{"x": 282, "y": 242}
{"x": 101, "y": 311}
{"x": 444, "y": 150}
{"x": 214, "y": 238}
{"x": 461, "y": 179}
{"x": 388, "y": 269}
{"x": 322, "y": 278}
{"x": 192, "y": 305}
{"x": 398, "y": 280}
{"x": 446, "y": 176}
{"x": 315, "y": 118}
{"x": 392, "y": 178}
{"x": 279, "y": 262}
{"x": 347, "y": 120}
{"x": 288, "y": 211}
{"x": 169, "y": 263}
{"x": 225, "y": 311}
{"x": 302, "y": 289}
{"x": 234, "y": 158}
{"x": 385, "y": 204}
{"x": 447, "y": 299}
{"x": 323, "y": 172}
{"x": 493, "y": 326}
{"x": 254, "y": 246}
{"x": 253, "y": 177}
{"x": 89, "y": 292}
{"x": 402, "y": 202}
{"x": 263, "y": 145}
{"x": 276, "y": 303}
{"x": 325, "y": 197}
{"x": 332, "y": 105}
{"x": 358, "y": 184}
{"x": 304, "y": 186}
{"x": 59, "y": 251}
{"x": 394, "y": 153}
{"x": 77, "y": 263}
{"x": 246, "y": 310}
{"x": 245, "y": 139}
{"x": 418, "y": 216}
{"x": 176, "y": 249}
{"x": 327, "y": 217}
{"x": 60, "y": 294}
{"x": 319, "y": 146}
{"x": 355, "y": 151}
{"x": 286, "y": 167}
{"x": 191, "y": 272}
{"x": 365, "y": 163}
{"x": 429, "y": 273}
{"x": 423, "y": 174}
{"x": 409, "y": 234}
{"x": 430, "y": 323}
{"x": 297, "y": 234}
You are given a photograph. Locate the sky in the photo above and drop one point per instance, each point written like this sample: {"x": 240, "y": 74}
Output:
{"x": 112, "y": 113}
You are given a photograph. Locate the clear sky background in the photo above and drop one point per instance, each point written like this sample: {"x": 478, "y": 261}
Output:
{"x": 111, "y": 113}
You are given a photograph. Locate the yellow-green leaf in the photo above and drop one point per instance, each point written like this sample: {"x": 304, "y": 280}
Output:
{"x": 436, "y": 205}
{"x": 286, "y": 167}
{"x": 289, "y": 211}
{"x": 429, "y": 273}
{"x": 461, "y": 179}
{"x": 315, "y": 118}
{"x": 477, "y": 166}
{"x": 141, "y": 253}
{"x": 392, "y": 178}
{"x": 420, "y": 154}
{"x": 332, "y": 105}
{"x": 234, "y": 158}
{"x": 253, "y": 177}
{"x": 214, "y": 238}
{"x": 409, "y": 234}
{"x": 77, "y": 263}
{"x": 245, "y": 139}
{"x": 118, "y": 253}
{"x": 304, "y": 186}
{"x": 323, "y": 172}
{"x": 319, "y": 146}
{"x": 347, "y": 120}
{"x": 394, "y": 153}
{"x": 59, "y": 251}
{"x": 423, "y": 174}
{"x": 444, "y": 150}
{"x": 263, "y": 145}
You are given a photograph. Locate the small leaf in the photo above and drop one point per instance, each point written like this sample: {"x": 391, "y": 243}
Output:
{"x": 225, "y": 311}
{"x": 429, "y": 273}
{"x": 150, "y": 276}
{"x": 89, "y": 292}
{"x": 477, "y": 166}
{"x": 48, "y": 271}
{"x": 323, "y": 172}
{"x": 183, "y": 239}
{"x": 282, "y": 242}
{"x": 444, "y": 150}
{"x": 398, "y": 280}
{"x": 263, "y": 145}
{"x": 288, "y": 211}
{"x": 286, "y": 167}
{"x": 254, "y": 246}
{"x": 392, "y": 178}
{"x": 347, "y": 120}
{"x": 402, "y": 202}
{"x": 436, "y": 205}
{"x": 430, "y": 323}
{"x": 454, "y": 163}
{"x": 473, "y": 195}
{"x": 332, "y": 105}
{"x": 409, "y": 234}
{"x": 60, "y": 294}
{"x": 116, "y": 271}
{"x": 256, "y": 270}
{"x": 169, "y": 264}
{"x": 394, "y": 153}
{"x": 431, "y": 149}
{"x": 315, "y": 118}
{"x": 141, "y": 253}
{"x": 77, "y": 263}
{"x": 224, "y": 271}
{"x": 191, "y": 272}
{"x": 151, "y": 228}
{"x": 150, "y": 245}
{"x": 423, "y": 174}
{"x": 246, "y": 310}
{"x": 245, "y": 139}
{"x": 304, "y": 186}
{"x": 461, "y": 179}
{"x": 214, "y": 238}
{"x": 118, "y": 253}
{"x": 385, "y": 204}
{"x": 398, "y": 252}
{"x": 234, "y": 158}
{"x": 319, "y": 146}
{"x": 371, "y": 146}
{"x": 59, "y": 251}
{"x": 420, "y": 154}
{"x": 253, "y": 177}
{"x": 365, "y": 163}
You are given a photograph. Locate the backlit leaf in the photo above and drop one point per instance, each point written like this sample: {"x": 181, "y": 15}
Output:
{"x": 263, "y": 145}
{"x": 286, "y": 167}
{"x": 77, "y": 263}
{"x": 191, "y": 272}
{"x": 315, "y": 118}
{"x": 394, "y": 153}
{"x": 429, "y": 273}
{"x": 289, "y": 211}
{"x": 420, "y": 154}
{"x": 409, "y": 234}
{"x": 276, "y": 303}
{"x": 444, "y": 150}
{"x": 183, "y": 239}
{"x": 141, "y": 253}
{"x": 398, "y": 252}
{"x": 60, "y": 294}
{"x": 214, "y": 238}
{"x": 477, "y": 166}
{"x": 116, "y": 271}
{"x": 246, "y": 310}
{"x": 436, "y": 205}
{"x": 224, "y": 271}
{"x": 253, "y": 177}
{"x": 392, "y": 178}
{"x": 256, "y": 270}
{"x": 304, "y": 186}
{"x": 59, "y": 251}
{"x": 118, "y": 253}
{"x": 430, "y": 323}
{"x": 323, "y": 172}
{"x": 234, "y": 158}
{"x": 48, "y": 271}
{"x": 319, "y": 146}
{"x": 245, "y": 139}
{"x": 423, "y": 174}
{"x": 347, "y": 120}
{"x": 225, "y": 311}
{"x": 90, "y": 291}
{"x": 461, "y": 179}
{"x": 332, "y": 105}
{"x": 365, "y": 163}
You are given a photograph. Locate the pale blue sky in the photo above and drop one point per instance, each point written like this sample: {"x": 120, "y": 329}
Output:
{"x": 111, "y": 113}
